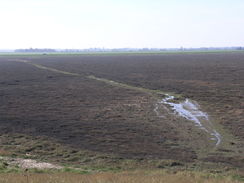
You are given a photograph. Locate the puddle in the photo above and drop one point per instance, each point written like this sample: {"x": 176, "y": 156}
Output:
{"x": 190, "y": 110}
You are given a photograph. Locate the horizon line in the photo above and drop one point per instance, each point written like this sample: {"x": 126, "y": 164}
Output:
{"x": 129, "y": 48}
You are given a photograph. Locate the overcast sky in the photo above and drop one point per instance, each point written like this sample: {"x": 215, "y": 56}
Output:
{"x": 121, "y": 23}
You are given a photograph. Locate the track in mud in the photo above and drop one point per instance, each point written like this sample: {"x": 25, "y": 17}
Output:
{"x": 190, "y": 110}
{"x": 186, "y": 109}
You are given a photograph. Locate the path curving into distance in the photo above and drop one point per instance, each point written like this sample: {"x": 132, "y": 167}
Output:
{"x": 187, "y": 109}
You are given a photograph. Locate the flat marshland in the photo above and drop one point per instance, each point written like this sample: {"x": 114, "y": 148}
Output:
{"x": 102, "y": 116}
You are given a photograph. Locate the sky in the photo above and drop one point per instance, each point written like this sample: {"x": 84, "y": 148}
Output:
{"x": 79, "y": 24}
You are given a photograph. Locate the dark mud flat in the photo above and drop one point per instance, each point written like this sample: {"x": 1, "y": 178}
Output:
{"x": 89, "y": 115}
{"x": 83, "y": 113}
{"x": 216, "y": 77}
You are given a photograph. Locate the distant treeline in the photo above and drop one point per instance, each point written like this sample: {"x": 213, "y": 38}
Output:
{"x": 47, "y": 50}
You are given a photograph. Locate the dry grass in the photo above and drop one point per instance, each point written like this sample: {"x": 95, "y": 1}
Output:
{"x": 123, "y": 177}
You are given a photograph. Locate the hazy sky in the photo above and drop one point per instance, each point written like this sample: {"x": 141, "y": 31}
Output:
{"x": 121, "y": 23}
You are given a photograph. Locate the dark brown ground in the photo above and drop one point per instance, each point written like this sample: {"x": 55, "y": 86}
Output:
{"x": 89, "y": 115}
